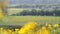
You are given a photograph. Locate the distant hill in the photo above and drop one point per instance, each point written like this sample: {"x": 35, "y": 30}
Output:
{"x": 31, "y": 6}
{"x": 34, "y": 2}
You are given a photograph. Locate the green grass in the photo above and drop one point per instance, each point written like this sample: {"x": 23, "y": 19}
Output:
{"x": 21, "y": 20}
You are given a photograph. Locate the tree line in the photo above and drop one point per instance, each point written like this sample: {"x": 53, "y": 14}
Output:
{"x": 35, "y": 12}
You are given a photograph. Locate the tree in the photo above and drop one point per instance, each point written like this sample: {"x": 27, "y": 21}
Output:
{"x": 25, "y": 12}
{"x": 34, "y": 12}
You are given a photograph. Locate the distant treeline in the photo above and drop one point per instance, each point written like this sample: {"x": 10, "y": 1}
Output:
{"x": 34, "y": 12}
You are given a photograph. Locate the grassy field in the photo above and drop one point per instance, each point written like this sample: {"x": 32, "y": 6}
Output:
{"x": 29, "y": 25}
{"x": 17, "y": 10}
{"x": 21, "y": 20}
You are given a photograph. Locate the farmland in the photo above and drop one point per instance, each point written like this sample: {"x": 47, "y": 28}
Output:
{"x": 17, "y": 10}
{"x": 20, "y": 20}
{"x": 30, "y": 25}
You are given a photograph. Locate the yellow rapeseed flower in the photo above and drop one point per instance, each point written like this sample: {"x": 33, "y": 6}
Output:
{"x": 56, "y": 25}
{"x": 13, "y": 32}
{"x": 1, "y": 30}
{"x": 5, "y": 32}
{"x": 49, "y": 26}
{"x": 43, "y": 30}
{"x": 46, "y": 23}
{"x": 10, "y": 31}
{"x": 27, "y": 28}
{"x": 16, "y": 30}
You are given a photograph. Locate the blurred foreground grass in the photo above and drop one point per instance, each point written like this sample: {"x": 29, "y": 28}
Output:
{"x": 32, "y": 28}
{"x": 30, "y": 25}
